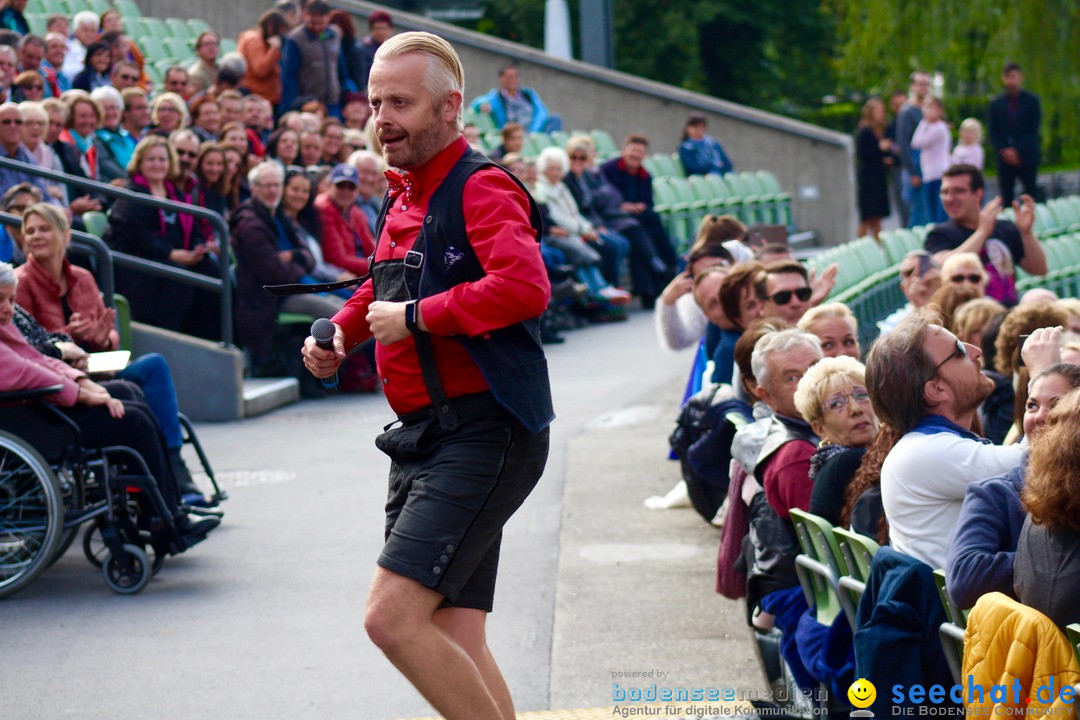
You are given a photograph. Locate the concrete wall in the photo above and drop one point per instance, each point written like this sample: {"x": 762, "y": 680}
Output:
{"x": 814, "y": 164}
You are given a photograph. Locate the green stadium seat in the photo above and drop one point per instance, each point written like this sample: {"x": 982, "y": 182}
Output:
{"x": 123, "y": 320}
{"x": 727, "y": 202}
{"x": 540, "y": 141}
{"x": 134, "y": 28}
{"x": 178, "y": 28}
{"x": 73, "y": 6}
{"x": 154, "y": 50}
{"x": 98, "y": 6}
{"x": 128, "y": 8}
{"x": 52, "y": 7}
{"x": 178, "y": 47}
{"x": 482, "y": 121}
{"x": 650, "y": 166}
{"x": 228, "y": 45}
{"x": 560, "y": 138}
{"x": 782, "y": 200}
{"x": 37, "y": 22}
{"x": 667, "y": 167}
{"x": 676, "y": 163}
{"x": 155, "y": 28}
{"x": 820, "y": 566}
{"x": 197, "y": 26}
{"x": 155, "y": 75}
{"x": 96, "y": 222}
{"x": 605, "y": 144}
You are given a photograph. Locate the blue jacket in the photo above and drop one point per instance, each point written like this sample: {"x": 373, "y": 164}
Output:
{"x": 896, "y": 635}
{"x": 987, "y": 531}
{"x": 634, "y": 188}
{"x": 704, "y": 156}
{"x": 498, "y": 108}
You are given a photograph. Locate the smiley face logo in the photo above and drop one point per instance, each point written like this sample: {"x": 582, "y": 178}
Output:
{"x": 862, "y": 693}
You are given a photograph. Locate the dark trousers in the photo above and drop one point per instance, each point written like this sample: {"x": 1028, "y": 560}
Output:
{"x": 654, "y": 226}
{"x": 1007, "y": 176}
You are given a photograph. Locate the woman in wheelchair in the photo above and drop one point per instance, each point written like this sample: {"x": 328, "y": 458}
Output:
{"x": 65, "y": 298}
{"x": 103, "y": 420}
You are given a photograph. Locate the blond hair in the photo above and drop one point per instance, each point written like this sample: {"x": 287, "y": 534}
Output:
{"x": 444, "y": 74}
{"x": 54, "y": 217}
{"x": 147, "y": 144}
{"x": 828, "y": 310}
{"x": 975, "y": 126}
{"x": 961, "y": 258}
{"x": 823, "y": 377}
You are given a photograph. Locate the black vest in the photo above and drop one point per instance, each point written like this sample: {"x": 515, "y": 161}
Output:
{"x": 510, "y": 358}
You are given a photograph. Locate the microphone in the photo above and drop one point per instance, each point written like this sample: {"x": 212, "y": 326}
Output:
{"x": 323, "y": 331}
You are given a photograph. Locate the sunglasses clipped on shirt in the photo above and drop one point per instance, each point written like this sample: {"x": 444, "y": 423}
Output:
{"x": 784, "y": 296}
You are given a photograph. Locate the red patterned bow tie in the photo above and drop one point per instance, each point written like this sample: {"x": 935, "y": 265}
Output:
{"x": 401, "y": 183}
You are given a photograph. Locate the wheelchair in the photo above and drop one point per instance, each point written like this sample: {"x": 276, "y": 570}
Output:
{"x": 53, "y": 486}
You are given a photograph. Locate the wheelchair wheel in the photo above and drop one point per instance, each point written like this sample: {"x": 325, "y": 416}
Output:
{"x": 73, "y": 499}
{"x": 96, "y": 550}
{"x": 31, "y": 514}
{"x": 129, "y": 573}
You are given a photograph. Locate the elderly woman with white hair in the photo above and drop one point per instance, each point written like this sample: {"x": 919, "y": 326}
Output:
{"x": 569, "y": 231}
{"x": 114, "y": 144}
{"x": 269, "y": 252}
{"x": 832, "y": 397}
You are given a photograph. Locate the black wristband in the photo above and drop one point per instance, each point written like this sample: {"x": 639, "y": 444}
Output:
{"x": 410, "y": 316}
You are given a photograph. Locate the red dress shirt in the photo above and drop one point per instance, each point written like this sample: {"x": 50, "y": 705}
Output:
{"x": 514, "y": 288}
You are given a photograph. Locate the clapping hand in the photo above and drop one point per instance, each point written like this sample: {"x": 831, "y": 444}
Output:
{"x": 1024, "y": 210}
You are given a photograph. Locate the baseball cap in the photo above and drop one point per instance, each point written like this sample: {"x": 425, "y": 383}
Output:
{"x": 343, "y": 172}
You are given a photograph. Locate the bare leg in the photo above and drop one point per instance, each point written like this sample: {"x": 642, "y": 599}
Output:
{"x": 874, "y": 227}
{"x": 861, "y": 232}
{"x": 467, "y": 627}
{"x": 400, "y": 621}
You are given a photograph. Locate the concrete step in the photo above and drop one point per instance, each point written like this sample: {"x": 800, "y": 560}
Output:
{"x": 261, "y": 395}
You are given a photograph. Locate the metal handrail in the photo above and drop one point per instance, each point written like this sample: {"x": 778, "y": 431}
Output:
{"x": 84, "y": 244}
{"x": 222, "y": 285}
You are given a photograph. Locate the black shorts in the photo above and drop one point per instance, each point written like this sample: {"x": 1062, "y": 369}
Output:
{"x": 451, "y": 492}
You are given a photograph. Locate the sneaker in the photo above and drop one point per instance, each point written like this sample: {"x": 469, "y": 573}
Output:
{"x": 614, "y": 295}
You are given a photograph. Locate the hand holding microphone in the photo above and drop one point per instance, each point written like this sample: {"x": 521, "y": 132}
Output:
{"x": 324, "y": 352}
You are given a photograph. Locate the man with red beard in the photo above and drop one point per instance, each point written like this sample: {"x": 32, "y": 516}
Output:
{"x": 456, "y": 289}
{"x": 927, "y": 385}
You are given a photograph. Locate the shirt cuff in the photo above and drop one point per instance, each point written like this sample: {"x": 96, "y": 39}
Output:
{"x": 435, "y": 312}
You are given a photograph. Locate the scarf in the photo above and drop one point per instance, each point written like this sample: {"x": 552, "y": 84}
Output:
{"x": 187, "y": 222}
{"x": 822, "y": 455}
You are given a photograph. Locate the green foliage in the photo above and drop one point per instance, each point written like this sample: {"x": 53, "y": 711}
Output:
{"x": 879, "y": 42}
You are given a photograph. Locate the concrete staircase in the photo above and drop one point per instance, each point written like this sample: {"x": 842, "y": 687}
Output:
{"x": 209, "y": 378}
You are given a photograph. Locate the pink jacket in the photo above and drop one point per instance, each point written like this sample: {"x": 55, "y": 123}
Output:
{"x": 23, "y": 368}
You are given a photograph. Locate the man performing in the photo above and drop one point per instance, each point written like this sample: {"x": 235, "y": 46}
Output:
{"x": 455, "y": 291}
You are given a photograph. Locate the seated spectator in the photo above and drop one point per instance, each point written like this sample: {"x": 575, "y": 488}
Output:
{"x": 471, "y": 133}
{"x": 55, "y": 52}
{"x": 12, "y": 18}
{"x": 964, "y": 267}
{"x": 83, "y": 119}
{"x": 210, "y": 172}
{"x": 95, "y": 72}
{"x": 84, "y": 34}
{"x": 206, "y": 118}
{"x": 832, "y": 397}
{"x": 1000, "y": 244}
{"x": 168, "y": 113}
{"x": 176, "y": 81}
{"x": 835, "y": 326}
{"x": 983, "y": 547}
{"x": 737, "y": 295}
{"x": 380, "y": 28}
{"x": 310, "y": 148}
{"x": 112, "y": 143}
{"x": 11, "y": 131}
{"x": 569, "y": 231}
{"x": 185, "y": 145}
{"x": 297, "y": 210}
{"x": 949, "y": 297}
{"x": 15, "y": 201}
{"x": 600, "y": 202}
{"x": 721, "y": 351}
{"x": 124, "y": 48}
{"x": 261, "y": 48}
{"x": 1022, "y": 320}
{"x": 32, "y": 50}
{"x": 28, "y": 86}
{"x": 513, "y": 141}
{"x": 283, "y": 147}
{"x": 970, "y": 323}
{"x": 234, "y": 135}
{"x": 701, "y": 154}
{"x": 258, "y": 122}
{"x": 511, "y": 103}
{"x": 346, "y": 241}
{"x": 124, "y": 74}
{"x": 203, "y": 73}
{"x": 166, "y": 237}
{"x": 34, "y": 131}
{"x": 783, "y": 288}
{"x": 355, "y": 112}
{"x": 1045, "y": 568}
{"x": 236, "y": 189}
{"x": 372, "y": 183}
{"x": 1071, "y": 306}
{"x": 102, "y": 419}
{"x": 970, "y": 319}
{"x": 136, "y": 115}
{"x": 268, "y": 252}
{"x": 334, "y": 150}
{"x": 927, "y": 386}
{"x": 634, "y": 183}
{"x": 862, "y": 511}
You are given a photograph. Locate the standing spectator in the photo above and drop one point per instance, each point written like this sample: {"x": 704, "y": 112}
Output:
{"x": 969, "y": 149}
{"x": 380, "y": 28}
{"x": 369, "y": 173}
{"x": 634, "y": 183}
{"x": 906, "y": 121}
{"x": 12, "y": 18}
{"x": 896, "y": 186}
{"x": 261, "y": 48}
{"x": 312, "y": 64}
{"x": 206, "y": 118}
{"x": 95, "y": 73}
{"x": 346, "y": 242}
{"x": 55, "y": 52}
{"x": 926, "y": 385}
{"x": 1000, "y": 244}
{"x": 1014, "y": 119}
{"x": 511, "y": 103}
{"x": 873, "y": 151}
{"x": 932, "y": 140}
{"x": 701, "y": 154}
{"x": 112, "y": 142}
{"x": 203, "y": 73}
{"x": 85, "y": 32}
{"x": 356, "y": 59}
{"x": 290, "y": 11}
{"x": 136, "y": 116}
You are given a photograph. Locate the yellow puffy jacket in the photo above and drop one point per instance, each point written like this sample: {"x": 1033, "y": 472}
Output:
{"x": 1006, "y": 642}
